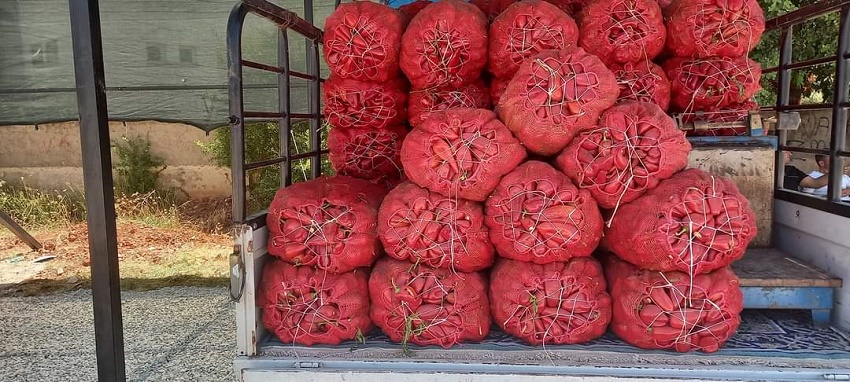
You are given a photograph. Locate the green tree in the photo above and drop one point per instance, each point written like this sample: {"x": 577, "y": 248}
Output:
{"x": 812, "y": 39}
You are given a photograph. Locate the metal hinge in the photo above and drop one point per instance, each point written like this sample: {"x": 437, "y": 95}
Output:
{"x": 307, "y": 365}
{"x": 237, "y": 266}
{"x": 836, "y": 377}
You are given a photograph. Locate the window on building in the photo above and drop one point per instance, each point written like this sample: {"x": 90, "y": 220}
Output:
{"x": 187, "y": 55}
{"x": 155, "y": 53}
{"x": 45, "y": 53}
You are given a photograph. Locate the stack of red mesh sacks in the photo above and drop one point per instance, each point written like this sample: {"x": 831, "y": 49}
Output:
{"x": 365, "y": 97}
{"x": 432, "y": 289}
{"x": 522, "y": 30}
{"x": 675, "y": 289}
{"x": 627, "y": 35}
{"x": 322, "y": 236}
{"x": 546, "y": 289}
{"x": 712, "y": 78}
{"x": 443, "y": 54}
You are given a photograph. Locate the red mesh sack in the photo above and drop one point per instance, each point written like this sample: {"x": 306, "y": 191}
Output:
{"x": 525, "y": 29}
{"x": 693, "y": 222}
{"x": 705, "y": 28}
{"x": 635, "y": 146}
{"x": 423, "y": 227}
{"x": 555, "y": 95}
{"x": 731, "y": 113}
{"x": 460, "y": 153}
{"x": 361, "y": 41}
{"x": 427, "y": 306}
{"x": 537, "y": 215}
{"x": 497, "y": 88}
{"x": 445, "y": 45}
{"x": 307, "y": 306}
{"x": 367, "y": 153}
{"x": 329, "y": 223}
{"x": 571, "y": 7}
{"x": 712, "y": 83}
{"x": 553, "y": 304}
{"x": 424, "y": 102}
{"x": 619, "y": 31}
{"x": 410, "y": 10}
{"x": 643, "y": 81}
{"x": 672, "y": 310}
{"x": 492, "y": 8}
{"x": 351, "y": 103}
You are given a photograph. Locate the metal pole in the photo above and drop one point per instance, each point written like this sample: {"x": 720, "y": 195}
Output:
{"x": 20, "y": 232}
{"x": 839, "y": 114}
{"x": 97, "y": 177}
{"x": 236, "y": 109}
{"x": 315, "y": 95}
{"x": 284, "y": 107}
{"x": 783, "y": 81}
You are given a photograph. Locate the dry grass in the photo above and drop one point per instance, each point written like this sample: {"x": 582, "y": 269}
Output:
{"x": 160, "y": 242}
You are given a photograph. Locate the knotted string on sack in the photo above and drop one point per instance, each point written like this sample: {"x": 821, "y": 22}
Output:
{"x": 426, "y": 306}
{"x": 537, "y": 215}
{"x": 328, "y": 223}
{"x": 693, "y": 222}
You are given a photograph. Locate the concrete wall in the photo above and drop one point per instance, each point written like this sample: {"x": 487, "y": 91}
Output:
{"x": 752, "y": 170}
{"x": 821, "y": 239}
{"x": 49, "y": 158}
{"x": 813, "y": 133}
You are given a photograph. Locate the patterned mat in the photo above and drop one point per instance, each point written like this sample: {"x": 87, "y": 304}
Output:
{"x": 763, "y": 333}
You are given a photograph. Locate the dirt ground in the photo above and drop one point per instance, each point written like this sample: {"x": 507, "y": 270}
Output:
{"x": 192, "y": 252}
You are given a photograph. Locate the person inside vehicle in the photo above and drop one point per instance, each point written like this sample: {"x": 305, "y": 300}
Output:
{"x": 816, "y": 182}
{"x": 793, "y": 175}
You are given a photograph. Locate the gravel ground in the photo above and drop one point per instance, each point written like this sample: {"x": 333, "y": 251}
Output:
{"x": 171, "y": 334}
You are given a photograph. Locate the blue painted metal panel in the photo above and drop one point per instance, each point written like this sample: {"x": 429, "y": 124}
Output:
{"x": 787, "y": 298}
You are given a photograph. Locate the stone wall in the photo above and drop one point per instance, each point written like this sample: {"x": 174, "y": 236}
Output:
{"x": 49, "y": 157}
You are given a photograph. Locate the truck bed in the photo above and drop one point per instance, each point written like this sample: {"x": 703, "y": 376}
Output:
{"x": 769, "y": 341}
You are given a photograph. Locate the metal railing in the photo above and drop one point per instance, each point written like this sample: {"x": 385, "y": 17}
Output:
{"x": 785, "y": 24}
{"x": 287, "y": 22}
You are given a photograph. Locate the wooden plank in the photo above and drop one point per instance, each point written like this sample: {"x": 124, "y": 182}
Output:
{"x": 770, "y": 267}
{"x": 7, "y": 221}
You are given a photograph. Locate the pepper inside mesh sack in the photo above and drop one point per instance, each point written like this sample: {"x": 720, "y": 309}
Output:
{"x": 635, "y": 146}
{"x": 525, "y": 29}
{"x": 693, "y": 222}
{"x": 460, "y": 153}
{"x": 367, "y": 153}
{"x": 642, "y": 81}
{"x": 620, "y": 31}
{"x": 736, "y": 113}
{"x": 329, "y": 222}
{"x": 672, "y": 310}
{"x": 536, "y": 214}
{"x": 306, "y": 306}
{"x": 428, "y": 306}
{"x": 427, "y": 228}
{"x": 445, "y": 45}
{"x": 712, "y": 83}
{"x": 497, "y": 88}
{"x": 553, "y": 304}
{"x": 350, "y": 103}
{"x": 553, "y": 96}
{"x": 426, "y": 101}
{"x": 705, "y": 28}
{"x": 361, "y": 41}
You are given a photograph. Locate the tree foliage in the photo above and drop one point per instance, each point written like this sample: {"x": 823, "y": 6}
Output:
{"x": 812, "y": 39}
